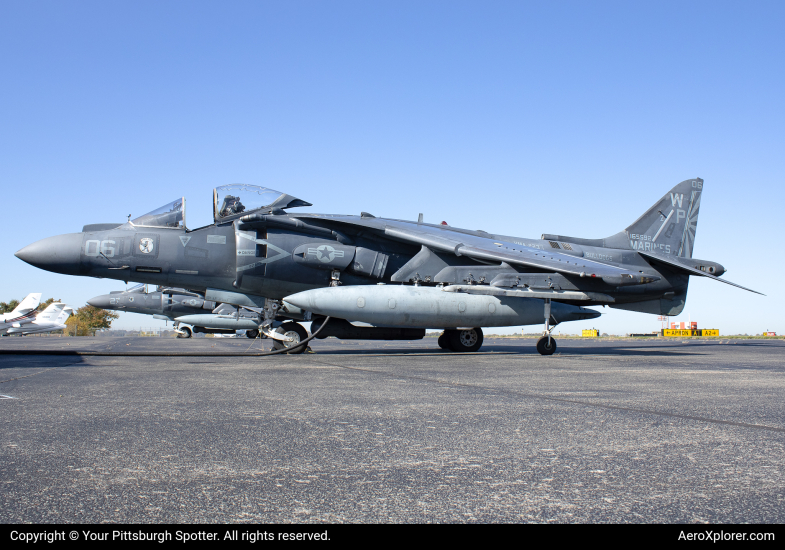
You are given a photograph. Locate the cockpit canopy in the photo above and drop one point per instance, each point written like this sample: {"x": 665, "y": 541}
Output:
{"x": 238, "y": 199}
{"x": 169, "y": 215}
{"x": 229, "y": 202}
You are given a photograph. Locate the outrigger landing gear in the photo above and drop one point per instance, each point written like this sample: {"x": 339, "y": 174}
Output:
{"x": 547, "y": 345}
{"x": 253, "y": 333}
{"x": 184, "y": 332}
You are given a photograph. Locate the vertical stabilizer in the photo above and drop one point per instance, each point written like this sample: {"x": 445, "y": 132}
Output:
{"x": 50, "y": 314}
{"x": 27, "y": 305}
{"x": 669, "y": 226}
{"x": 64, "y": 314}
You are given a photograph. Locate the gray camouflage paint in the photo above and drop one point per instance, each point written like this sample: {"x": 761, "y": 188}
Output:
{"x": 273, "y": 254}
{"x": 181, "y": 306}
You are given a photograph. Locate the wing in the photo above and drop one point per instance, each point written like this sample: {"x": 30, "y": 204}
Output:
{"x": 446, "y": 239}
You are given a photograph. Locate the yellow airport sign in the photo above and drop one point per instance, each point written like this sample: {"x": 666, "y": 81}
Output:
{"x": 677, "y": 333}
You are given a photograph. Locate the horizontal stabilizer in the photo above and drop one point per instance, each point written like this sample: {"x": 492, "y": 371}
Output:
{"x": 691, "y": 270}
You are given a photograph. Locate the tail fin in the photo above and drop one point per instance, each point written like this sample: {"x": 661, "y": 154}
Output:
{"x": 64, "y": 314}
{"x": 669, "y": 226}
{"x": 50, "y": 313}
{"x": 27, "y": 305}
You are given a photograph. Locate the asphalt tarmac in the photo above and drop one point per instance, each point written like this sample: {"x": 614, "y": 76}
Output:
{"x": 602, "y": 431}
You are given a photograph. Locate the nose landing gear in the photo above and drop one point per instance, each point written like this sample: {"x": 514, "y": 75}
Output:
{"x": 287, "y": 335}
{"x": 294, "y": 333}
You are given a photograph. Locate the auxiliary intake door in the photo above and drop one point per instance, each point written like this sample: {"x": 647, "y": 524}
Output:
{"x": 250, "y": 253}
{"x": 253, "y": 253}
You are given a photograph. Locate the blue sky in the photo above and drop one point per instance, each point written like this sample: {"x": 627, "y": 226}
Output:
{"x": 514, "y": 117}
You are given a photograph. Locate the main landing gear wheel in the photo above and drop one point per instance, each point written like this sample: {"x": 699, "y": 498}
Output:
{"x": 444, "y": 341}
{"x": 546, "y": 345}
{"x": 253, "y": 333}
{"x": 465, "y": 340}
{"x": 296, "y": 332}
{"x": 186, "y": 333}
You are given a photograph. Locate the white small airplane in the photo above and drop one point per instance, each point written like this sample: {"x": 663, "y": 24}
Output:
{"x": 51, "y": 319}
{"x": 23, "y": 313}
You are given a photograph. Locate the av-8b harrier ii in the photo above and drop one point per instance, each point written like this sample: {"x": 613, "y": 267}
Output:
{"x": 377, "y": 278}
{"x": 184, "y": 307}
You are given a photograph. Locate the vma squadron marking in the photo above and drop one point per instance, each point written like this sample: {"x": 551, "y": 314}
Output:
{"x": 378, "y": 278}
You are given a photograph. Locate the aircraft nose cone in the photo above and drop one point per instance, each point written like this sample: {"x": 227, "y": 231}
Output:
{"x": 101, "y": 302}
{"x": 59, "y": 254}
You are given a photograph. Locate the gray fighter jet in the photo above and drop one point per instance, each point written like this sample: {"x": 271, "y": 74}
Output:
{"x": 378, "y": 278}
{"x": 183, "y": 307}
